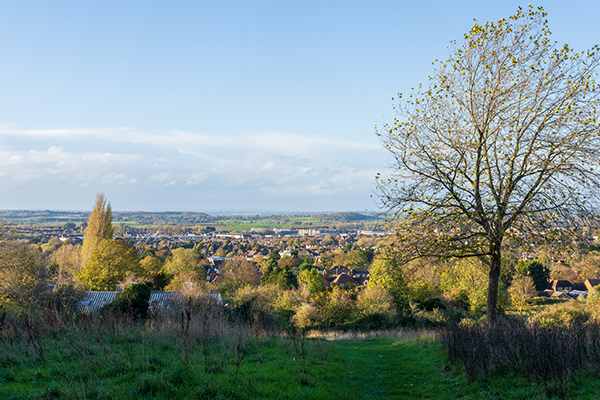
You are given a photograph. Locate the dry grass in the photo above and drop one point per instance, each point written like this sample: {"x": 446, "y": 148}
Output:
{"x": 394, "y": 334}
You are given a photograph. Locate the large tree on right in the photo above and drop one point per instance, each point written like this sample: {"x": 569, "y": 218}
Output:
{"x": 503, "y": 142}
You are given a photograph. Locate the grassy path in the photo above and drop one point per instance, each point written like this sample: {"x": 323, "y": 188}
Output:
{"x": 396, "y": 370}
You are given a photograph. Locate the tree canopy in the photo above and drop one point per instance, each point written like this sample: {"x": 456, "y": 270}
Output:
{"x": 99, "y": 227}
{"x": 503, "y": 142}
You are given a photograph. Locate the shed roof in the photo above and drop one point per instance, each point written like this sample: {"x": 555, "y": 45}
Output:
{"x": 96, "y": 300}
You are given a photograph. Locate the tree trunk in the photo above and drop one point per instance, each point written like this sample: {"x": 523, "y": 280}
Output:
{"x": 494, "y": 280}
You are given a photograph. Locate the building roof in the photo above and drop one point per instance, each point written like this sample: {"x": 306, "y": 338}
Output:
{"x": 96, "y": 300}
{"x": 344, "y": 279}
{"x": 336, "y": 270}
{"x": 590, "y": 283}
{"x": 560, "y": 283}
{"x": 163, "y": 300}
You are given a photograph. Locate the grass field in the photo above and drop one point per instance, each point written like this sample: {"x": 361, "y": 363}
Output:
{"x": 141, "y": 364}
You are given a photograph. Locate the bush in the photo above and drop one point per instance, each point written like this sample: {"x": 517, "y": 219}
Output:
{"x": 256, "y": 305}
{"x": 307, "y": 315}
{"x": 373, "y": 301}
{"x": 432, "y": 304}
{"x": 566, "y": 315}
{"x": 539, "y": 354}
{"x": 134, "y": 299}
{"x": 338, "y": 307}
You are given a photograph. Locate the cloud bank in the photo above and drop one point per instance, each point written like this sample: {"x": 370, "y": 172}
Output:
{"x": 185, "y": 170}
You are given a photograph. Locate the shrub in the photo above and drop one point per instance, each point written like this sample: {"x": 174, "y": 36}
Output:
{"x": 545, "y": 354}
{"x": 306, "y": 315}
{"x": 338, "y": 307}
{"x": 565, "y": 315}
{"x": 134, "y": 299}
{"x": 522, "y": 290}
{"x": 376, "y": 301}
{"x": 432, "y": 304}
{"x": 256, "y": 305}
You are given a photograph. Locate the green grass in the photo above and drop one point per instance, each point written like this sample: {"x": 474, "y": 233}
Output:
{"x": 143, "y": 365}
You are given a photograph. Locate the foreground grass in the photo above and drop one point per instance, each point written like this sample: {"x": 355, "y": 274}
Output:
{"x": 146, "y": 365}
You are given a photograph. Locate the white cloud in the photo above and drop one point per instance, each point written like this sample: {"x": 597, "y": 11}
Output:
{"x": 251, "y": 164}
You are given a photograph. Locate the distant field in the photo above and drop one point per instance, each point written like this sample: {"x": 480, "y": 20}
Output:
{"x": 238, "y": 223}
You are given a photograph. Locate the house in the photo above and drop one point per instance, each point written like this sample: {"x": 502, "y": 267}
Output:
{"x": 362, "y": 281}
{"x": 166, "y": 300}
{"x": 560, "y": 295}
{"x": 359, "y": 273}
{"x": 590, "y": 283}
{"x": 343, "y": 280}
{"x": 561, "y": 285}
{"x": 336, "y": 271}
{"x": 94, "y": 301}
{"x": 578, "y": 293}
{"x": 545, "y": 293}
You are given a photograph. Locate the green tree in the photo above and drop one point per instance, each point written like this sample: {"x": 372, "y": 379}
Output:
{"x": 536, "y": 271}
{"x": 387, "y": 275}
{"x": 181, "y": 260}
{"x": 237, "y": 273}
{"x": 315, "y": 282}
{"x": 110, "y": 262}
{"x": 505, "y": 139}
{"x": 356, "y": 259}
{"x": 338, "y": 306}
{"x": 465, "y": 281}
{"x": 280, "y": 276}
{"x": 134, "y": 299}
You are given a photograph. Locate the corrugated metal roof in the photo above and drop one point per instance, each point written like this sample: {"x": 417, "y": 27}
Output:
{"x": 164, "y": 300}
{"x": 95, "y": 300}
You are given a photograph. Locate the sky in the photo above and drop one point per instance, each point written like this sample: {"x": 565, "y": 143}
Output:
{"x": 223, "y": 106}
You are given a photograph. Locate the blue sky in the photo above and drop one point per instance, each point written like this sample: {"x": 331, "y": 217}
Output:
{"x": 212, "y": 106}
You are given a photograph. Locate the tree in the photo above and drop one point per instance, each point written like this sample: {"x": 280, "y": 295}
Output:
{"x": 133, "y": 299}
{"x": 314, "y": 281}
{"x": 110, "y": 262}
{"x": 99, "y": 227}
{"x": 150, "y": 264}
{"x": 374, "y": 300}
{"x": 356, "y": 259}
{"x": 536, "y": 271}
{"x": 238, "y": 273}
{"x": 522, "y": 290}
{"x": 67, "y": 263}
{"x": 23, "y": 282}
{"x": 503, "y": 143}
{"x": 386, "y": 274}
{"x": 181, "y": 260}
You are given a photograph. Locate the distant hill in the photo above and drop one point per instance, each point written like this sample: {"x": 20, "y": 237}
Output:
{"x": 14, "y": 217}
{"x": 49, "y": 217}
{"x": 345, "y": 217}
{"x": 161, "y": 218}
